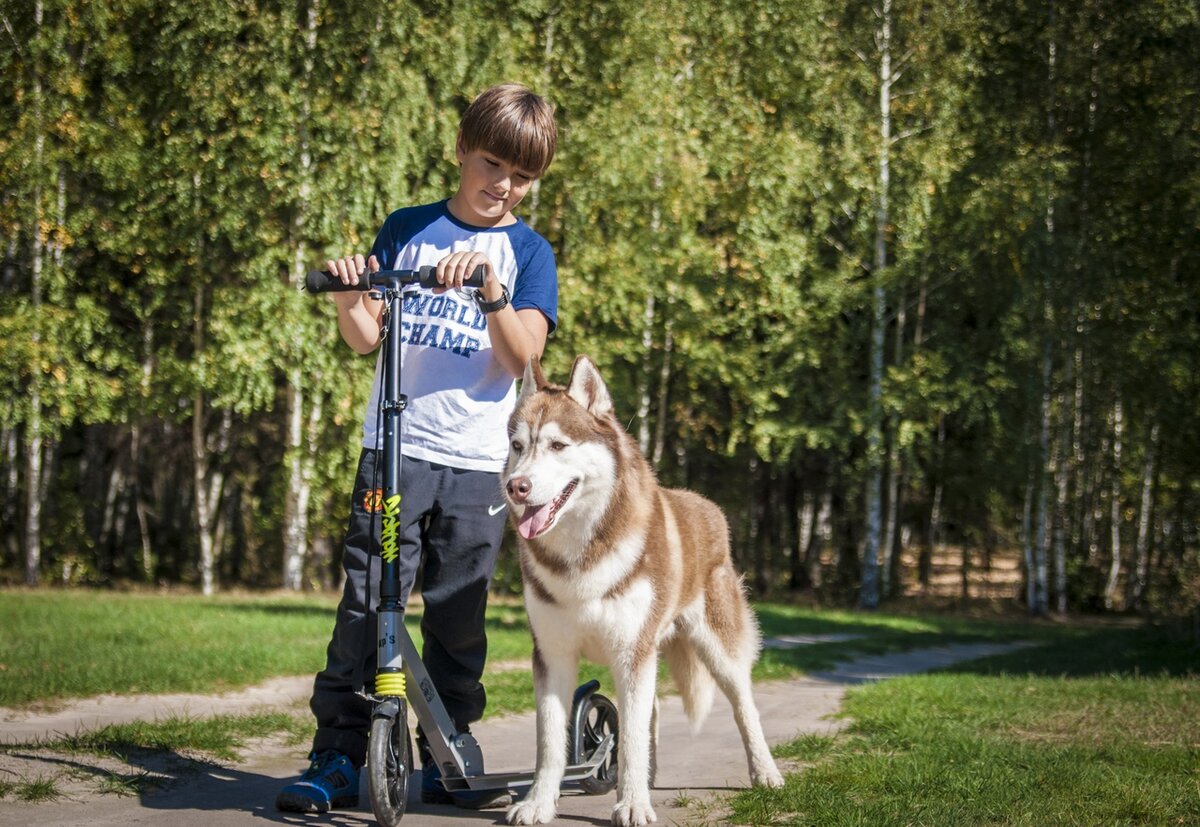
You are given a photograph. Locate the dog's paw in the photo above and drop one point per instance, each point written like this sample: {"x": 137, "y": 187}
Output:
{"x": 767, "y": 777}
{"x": 531, "y": 811}
{"x": 633, "y": 814}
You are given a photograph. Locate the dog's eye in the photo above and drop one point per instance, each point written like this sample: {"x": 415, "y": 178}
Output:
{"x": 517, "y": 446}
{"x": 557, "y": 445}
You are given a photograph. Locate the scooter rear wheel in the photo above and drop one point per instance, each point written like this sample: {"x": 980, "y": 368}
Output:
{"x": 389, "y": 765}
{"x": 594, "y": 718}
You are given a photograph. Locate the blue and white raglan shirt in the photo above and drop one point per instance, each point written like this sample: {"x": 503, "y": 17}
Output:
{"x": 459, "y": 396}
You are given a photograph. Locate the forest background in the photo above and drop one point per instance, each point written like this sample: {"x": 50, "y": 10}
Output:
{"x": 880, "y": 278}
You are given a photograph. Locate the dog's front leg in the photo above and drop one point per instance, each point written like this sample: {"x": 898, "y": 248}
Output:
{"x": 635, "y": 690}
{"x": 553, "y": 683}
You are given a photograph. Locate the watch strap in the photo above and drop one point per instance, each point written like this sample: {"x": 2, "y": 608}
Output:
{"x": 486, "y": 306}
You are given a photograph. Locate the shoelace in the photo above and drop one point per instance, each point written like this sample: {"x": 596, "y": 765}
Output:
{"x": 319, "y": 764}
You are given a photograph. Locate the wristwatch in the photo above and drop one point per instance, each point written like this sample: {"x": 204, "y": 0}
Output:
{"x": 486, "y": 306}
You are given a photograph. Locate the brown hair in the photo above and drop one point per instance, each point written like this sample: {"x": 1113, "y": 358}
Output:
{"x": 514, "y": 124}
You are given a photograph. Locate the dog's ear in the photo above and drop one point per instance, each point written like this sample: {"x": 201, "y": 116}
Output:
{"x": 587, "y": 388}
{"x": 533, "y": 380}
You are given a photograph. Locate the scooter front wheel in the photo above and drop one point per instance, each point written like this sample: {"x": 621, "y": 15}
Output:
{"x": 389, "y": 765}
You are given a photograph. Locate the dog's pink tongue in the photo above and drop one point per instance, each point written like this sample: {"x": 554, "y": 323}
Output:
{"x": 533, "y": 521}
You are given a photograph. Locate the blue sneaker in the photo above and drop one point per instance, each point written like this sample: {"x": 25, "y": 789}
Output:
{"x": 330, "y": 781}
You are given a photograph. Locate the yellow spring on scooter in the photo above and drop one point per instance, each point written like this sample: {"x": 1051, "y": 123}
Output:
{"x": 390, "y": 684}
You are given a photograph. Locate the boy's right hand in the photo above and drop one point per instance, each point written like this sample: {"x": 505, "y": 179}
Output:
{"x": 350, "y": 268}
{"x": 358, "y": 314}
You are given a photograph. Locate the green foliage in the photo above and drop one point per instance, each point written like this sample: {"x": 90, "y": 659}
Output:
{"x": 170, "y": 170}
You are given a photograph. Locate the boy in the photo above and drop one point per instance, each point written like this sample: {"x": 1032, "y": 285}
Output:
{"x": 460, "y": 361}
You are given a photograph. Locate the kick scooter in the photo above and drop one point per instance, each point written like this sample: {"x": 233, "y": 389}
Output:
{"x": 401, "y": 678}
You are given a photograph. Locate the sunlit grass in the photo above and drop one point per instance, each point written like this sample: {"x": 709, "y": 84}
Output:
{"x": 78, "y": 643}
{"x": 221, "y": 737}
{"x": 1090, "y": 727}
{"x": 69, "y": 644}
{"x": 868, "y": 633}
{"x": 31, "y": 791}
{"x": 1086, "y": 726}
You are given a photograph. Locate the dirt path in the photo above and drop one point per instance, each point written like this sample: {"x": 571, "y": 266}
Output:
{"x": 693, "y": 770}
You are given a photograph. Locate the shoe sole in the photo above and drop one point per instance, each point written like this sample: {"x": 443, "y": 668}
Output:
{"x": 295, "y": 803}
{"x": 483, "y": 802}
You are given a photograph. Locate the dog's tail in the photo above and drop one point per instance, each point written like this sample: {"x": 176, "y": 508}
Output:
{"x": 692, "y": 679}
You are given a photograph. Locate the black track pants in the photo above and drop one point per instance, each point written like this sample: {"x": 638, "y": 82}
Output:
{"x": 454, "y": 519}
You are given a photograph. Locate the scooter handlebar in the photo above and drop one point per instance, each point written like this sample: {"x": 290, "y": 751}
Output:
{"x": 322, "y": 281}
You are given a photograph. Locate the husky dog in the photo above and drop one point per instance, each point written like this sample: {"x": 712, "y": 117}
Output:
{"x": 619, "y": 570}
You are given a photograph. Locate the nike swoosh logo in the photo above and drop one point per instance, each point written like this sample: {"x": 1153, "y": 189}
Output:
{"x": 493, "y": 510}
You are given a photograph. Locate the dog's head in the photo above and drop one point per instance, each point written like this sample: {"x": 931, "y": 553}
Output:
{"x": 562, "y": 456}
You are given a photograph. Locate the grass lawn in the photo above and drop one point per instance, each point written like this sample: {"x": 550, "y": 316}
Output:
{"x": 61, "y": 644}
{"x": 1091, "y": 726}
{"x": 870, "y": 634}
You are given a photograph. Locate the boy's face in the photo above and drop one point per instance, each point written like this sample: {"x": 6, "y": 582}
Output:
{"x": 489, "y": 188}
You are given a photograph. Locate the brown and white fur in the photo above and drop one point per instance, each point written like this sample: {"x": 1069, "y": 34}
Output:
{"x": 620, "y": 570}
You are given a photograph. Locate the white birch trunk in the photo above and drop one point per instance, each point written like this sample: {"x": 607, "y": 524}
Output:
{"x": 112, "y": 500}
{"x": 1142, "y": 544}
{"x": 1061, "y": 471}
{"x": 893, "y": 474}
{"x": 643, "y": 410}
{"x": 11, "y": 509}
{"x": 1084, "y": 534}
{"x": 935, "y": 509}
{"x": 869, "y": 598}
{"x": 208, "y": 480}
{"x": 295, "y": 501}
{"x": 1040, "y": 549}
{"x": 33, "y": 431}
{"x": 806, "y": 519}
{"x": 141, "y": 501}
{"x": 203, "y": 508}
{"x": 141, "y": 508}
{"x": 200, "y": 459}
{"x": 753, "y": 511}
{"x": 648, "y": 314}
{"x": 1114, "y": 568}
{"x": 664, "y": 382}
{"x": 1078, "y": 457}
{"x": 824, "y": 529}
{"x": 1027, "y": 544}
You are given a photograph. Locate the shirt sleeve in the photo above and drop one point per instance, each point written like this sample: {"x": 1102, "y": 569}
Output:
{"x": 537, "y": 281}
{"x": 386, "y": 247}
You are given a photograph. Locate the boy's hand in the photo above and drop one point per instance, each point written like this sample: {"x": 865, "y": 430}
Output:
{"x": 349, "y": 269}
{"x": 454, "y": 269}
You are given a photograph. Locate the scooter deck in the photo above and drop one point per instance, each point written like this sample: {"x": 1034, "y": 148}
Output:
{"x": 458, "y": 753}
{"x": 505, "y": 780}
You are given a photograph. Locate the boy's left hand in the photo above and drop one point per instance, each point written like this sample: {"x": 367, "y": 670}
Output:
{"x": 454, "y": 269}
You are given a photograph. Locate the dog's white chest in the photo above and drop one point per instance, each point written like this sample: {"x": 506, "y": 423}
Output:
{"x": 598, "y": 628}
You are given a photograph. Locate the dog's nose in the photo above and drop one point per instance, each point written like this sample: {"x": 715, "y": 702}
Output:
{"x": 519, "y": 488}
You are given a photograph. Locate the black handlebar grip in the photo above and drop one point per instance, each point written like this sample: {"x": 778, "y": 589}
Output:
{"x": 322, "y": 281}
{"x": 477, "y": 277}
{"x": 428, "y": 276}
